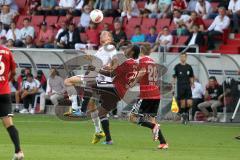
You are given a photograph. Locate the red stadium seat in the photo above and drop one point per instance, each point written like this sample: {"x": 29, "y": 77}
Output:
{"x": 108, "y": 20}
{"x": 23, "y": 6}
{"x": 134, "y": 21}
{"x": 207, "y": 22}
{"x": 237, "y": 36}
{"x": 51, "y": 20}
{"x": 228, "y": 49}
{"x": 147, "y": 23}
{"x": 37, "y": 20}
{"x": 76, "y": 20}
{"x": 179, "y": 41}
{"x": 141, "y": 4}
{"x": 214, "y": 5}
{"x": 224, "y": 36}
{"x": 161, "y": 23}
{"x": 61, "y": 19}
{"x": 233, "y": 42}
{"x": 129, "y": 32}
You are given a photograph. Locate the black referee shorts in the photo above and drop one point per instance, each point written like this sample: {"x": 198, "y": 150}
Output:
{"x": 5, "y": 105}
{"x": 184, "y": 91}
{"x": 149, "y": 107}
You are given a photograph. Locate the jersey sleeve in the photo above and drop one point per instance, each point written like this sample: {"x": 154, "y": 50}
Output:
{"x": 175, "y": 72}
{"x": 191, "y": 72}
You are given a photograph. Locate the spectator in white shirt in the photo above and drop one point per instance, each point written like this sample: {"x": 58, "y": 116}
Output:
{"x": 234, "y": 11}
{"x": 130, "y": 9}
{"x": 27, "y": 30}
{"x": 164, "y": 40}
{"x": 29, "y": 90}
{"x": 78, "y": 7}
{"x": 198, "y": 93}
{"x": 85, "y": 18}
{"x": 11, "y": 3}
{"x": 14, "y": 34}
{"x": 203, "y": 8}
{"x": 220, "y": 23}
{"x": 64, "y": 6}
{"x": 7, "y": 16}
{"x": 164, "y": 7}
{"x": 180, "y": 21}
{"x": 151, "y": 7}
{"x": 55, "y": 90}
{"x": 2, "y": 30}
{"x": 192, "y": 5}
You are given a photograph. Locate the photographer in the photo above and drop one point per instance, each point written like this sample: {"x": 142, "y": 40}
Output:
{"x": 29, "y": 90}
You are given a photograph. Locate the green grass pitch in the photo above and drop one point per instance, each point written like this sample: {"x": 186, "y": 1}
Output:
{"x": 48, "y": 138}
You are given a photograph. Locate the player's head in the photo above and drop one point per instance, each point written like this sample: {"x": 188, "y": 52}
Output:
{"x": 183, "y": 57}
{"x": 106, "y": 38}
{"x": 53, "y": 72}
{"x": 212, "y": 81}
{"x": 29, "y": 77}
{"x": 146, "y": 49}
{"x": 132, "y": 51}
{"x": 27, "y": 71}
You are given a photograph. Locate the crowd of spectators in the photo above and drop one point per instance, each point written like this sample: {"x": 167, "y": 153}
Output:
{"x": 186, "y": 16}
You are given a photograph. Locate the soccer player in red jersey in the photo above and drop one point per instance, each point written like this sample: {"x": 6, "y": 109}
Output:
{"x": 7, "y": 72}
{"x": 145, "y": 110}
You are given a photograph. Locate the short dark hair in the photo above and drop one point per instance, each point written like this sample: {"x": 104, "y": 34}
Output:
{"x": 153, "y": 27}
{"x": 166, "y": 27}
{"x": 184, "y": 53}
{"x": 136, "y": 50}
{"x": 137, "y": 26}
{"x": 212, "y": 78}
{"x": 26, "y": 19}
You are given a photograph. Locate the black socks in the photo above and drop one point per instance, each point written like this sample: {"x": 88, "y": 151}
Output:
{"x": 13, "y": 133}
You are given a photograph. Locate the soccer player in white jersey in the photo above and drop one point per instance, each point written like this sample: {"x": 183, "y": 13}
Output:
{"x": 102, "y": 58}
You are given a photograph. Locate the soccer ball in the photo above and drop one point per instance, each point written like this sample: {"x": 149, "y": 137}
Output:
{"x": 96, "y": 16}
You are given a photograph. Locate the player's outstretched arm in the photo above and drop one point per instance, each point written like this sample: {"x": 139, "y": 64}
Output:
{"x": 72, "y": 81}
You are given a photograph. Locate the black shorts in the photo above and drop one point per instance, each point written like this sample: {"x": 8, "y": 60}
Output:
{"x": 149, "y": 107}
{"x": 107, "y": 96}
{"x": 184, "y": 91}
{"x": 5, "y": 105}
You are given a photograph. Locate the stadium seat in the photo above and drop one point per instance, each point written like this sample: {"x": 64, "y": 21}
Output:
{"x": 161, "y": 23}
{"x": 141, "y": 4}
{"x": 37, "y": 20}
{"x": 129, "y": 32}
{"x": 147, "y": 23}
{"x": 207, "y": 22}
{"x": 20, "y": 19}
{"x": 228, "y": 49}
{"x": 61, "y": 19}
{"x": 214, "y": 5}
{"x": 51, "y": 20}
{"x": 108, "y": 20}
{"x": 134, "y": 21}
{"x": 224, "y": 36}
{"x": 23, "y": 6}
{"x": 179, "y": 41}
{"x": 237, "y": 36}
{"x": 76, "y": 20}
{"x": 235, "y": 42}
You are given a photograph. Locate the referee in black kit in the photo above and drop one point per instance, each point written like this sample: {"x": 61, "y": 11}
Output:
{"x": 183, "y": 74}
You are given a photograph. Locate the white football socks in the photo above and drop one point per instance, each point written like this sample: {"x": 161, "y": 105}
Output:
{"x": 73, "y": 98}
{"x": 96, "y": 121}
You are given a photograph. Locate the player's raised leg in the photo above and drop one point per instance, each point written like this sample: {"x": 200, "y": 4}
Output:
{"x": 70, "y": 83}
